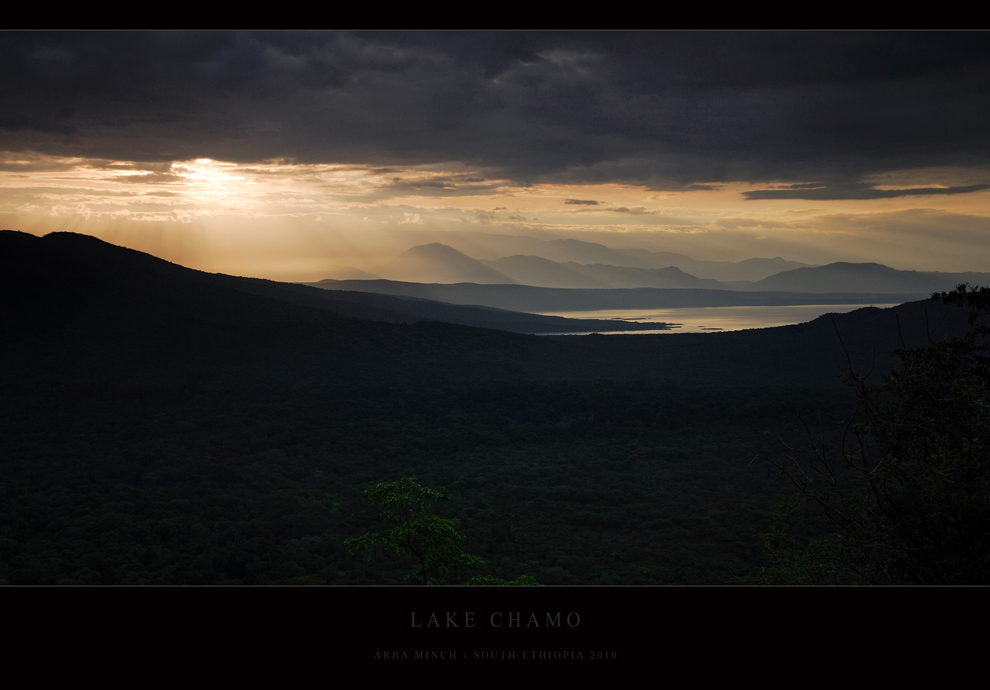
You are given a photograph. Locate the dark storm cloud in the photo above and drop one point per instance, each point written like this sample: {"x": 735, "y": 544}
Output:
{"x": 669, "y": 110}
{"x": 582, "y": 202}
{"x": 855, "y": 191}
{"x": 441, "y": 185}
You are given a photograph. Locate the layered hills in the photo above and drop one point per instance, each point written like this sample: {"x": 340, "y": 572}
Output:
{"x": 80, "y": 281}
{"x": 160, "y": 425}
{"x": 76, "y": 304}
{"x": 587, "y": 265}
{"x": 538, "y": 272}
{"x": 439, "y": 263}
{"x": 868, "y": 277}
{"x": 491, "y": 247}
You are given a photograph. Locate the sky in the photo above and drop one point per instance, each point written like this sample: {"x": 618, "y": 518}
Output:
{"x": 282, "y": 155}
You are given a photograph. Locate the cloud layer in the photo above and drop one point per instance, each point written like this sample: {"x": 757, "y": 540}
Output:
{"x": 664, "y": 110}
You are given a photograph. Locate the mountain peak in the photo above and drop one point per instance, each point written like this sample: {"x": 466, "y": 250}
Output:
{"x": 434, "y": 249}
{"x": 440, "y": 263}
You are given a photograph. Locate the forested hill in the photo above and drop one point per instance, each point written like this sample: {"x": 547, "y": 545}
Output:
{"x": 161, "y": 425}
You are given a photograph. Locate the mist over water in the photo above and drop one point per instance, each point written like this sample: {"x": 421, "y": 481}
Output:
{"x": 718, "y": 319}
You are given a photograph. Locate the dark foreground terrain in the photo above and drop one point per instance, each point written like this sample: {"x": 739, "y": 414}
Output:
{"x": 161, "y": 425}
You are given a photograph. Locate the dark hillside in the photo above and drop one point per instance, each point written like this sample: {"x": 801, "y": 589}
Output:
{"x": 79, "y": 307}
{"x": 78, "y": 277}
{"x": 73, "y": 277}
{"x": 161, "y": 425}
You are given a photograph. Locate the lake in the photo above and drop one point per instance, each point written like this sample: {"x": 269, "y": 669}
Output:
{"x": 715, "y": 319}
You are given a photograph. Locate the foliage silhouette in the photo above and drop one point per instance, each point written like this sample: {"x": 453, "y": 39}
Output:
{"x": 908, "y": 495}
{"x": 433, "y": 542}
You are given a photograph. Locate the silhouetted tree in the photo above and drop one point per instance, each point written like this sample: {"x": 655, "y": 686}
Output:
{"x": 907, "y": 496}
{"x": 433, "y": 542}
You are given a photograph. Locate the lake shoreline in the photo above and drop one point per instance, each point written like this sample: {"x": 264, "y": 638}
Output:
{"x": 710, "y": 319}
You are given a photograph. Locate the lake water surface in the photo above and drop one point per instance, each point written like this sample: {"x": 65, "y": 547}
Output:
{"x": 714, "y": 319}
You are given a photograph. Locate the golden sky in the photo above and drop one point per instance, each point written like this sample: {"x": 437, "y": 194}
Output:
{"x": 290, "y": 221}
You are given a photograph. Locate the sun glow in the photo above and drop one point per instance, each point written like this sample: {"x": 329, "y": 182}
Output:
{"x": 286, "y": 220}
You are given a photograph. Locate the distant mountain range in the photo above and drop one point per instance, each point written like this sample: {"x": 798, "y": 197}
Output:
{"x": 491, "y": 247}
{"x": 440, "y": 263}
{"x": 539, "y": 272}
{"x": 847, "y": 277}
